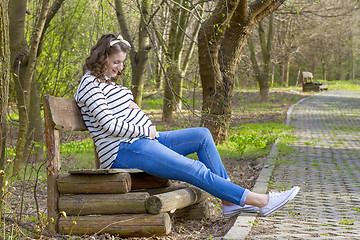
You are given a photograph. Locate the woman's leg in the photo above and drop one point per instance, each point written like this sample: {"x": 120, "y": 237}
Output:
{"x": 159, "y": 160}
{"x": 195, "y": 140}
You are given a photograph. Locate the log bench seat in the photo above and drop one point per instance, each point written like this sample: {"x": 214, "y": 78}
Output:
{"x": 125, "y": 202}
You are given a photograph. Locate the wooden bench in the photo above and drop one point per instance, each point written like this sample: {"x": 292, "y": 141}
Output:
{"x": 126, "y": 202}
{"x": 308, "y": 83}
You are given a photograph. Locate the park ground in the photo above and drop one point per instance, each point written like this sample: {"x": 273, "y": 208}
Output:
{"x": 247, "y": 109}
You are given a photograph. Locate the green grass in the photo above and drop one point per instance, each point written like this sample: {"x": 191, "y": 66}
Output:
{"x": 254, "y": 140}
{"x": 156, "y": 102}
{"x": 350, "y": 85}
{"x": 77, "y": 155}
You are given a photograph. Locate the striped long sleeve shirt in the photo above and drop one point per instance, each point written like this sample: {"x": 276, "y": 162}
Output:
{"x": 106, "y": 113}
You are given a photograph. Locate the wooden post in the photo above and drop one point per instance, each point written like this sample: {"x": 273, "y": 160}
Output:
{"x": 53, "y": 167}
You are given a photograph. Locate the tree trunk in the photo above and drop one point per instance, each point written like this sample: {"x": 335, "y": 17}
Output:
{"x": 266, "y": 45}
{"x": 282, "y": 73}
{"x": 287, "y": 69}
{"x": 173, "y": 81}
{"x": 226, "y": 29}
{"x": 26, "y": 88}
{"x": 216, "y": 108}
{"x": 139, "y": 58}
{"x": 19, "y": 61}
{"x": 35, "y": 132}
{"x": 178, "y": 65}
{"x": 4, "y": 84}
{"x": 172, "y": 74}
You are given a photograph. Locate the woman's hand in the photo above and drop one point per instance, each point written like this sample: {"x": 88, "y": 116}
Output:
{"x": 153, "y": 133}
{"x": 133, "y": 105}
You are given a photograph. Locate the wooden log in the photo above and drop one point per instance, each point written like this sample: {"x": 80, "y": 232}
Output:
{"x": 82, "y": 183}
{"x": 88, "y": 204}
{"x": 143, "y": 180}
{"x": 178, "y": 199}
{"x": 129, "y": 225}
{"x": 197, "y": 211}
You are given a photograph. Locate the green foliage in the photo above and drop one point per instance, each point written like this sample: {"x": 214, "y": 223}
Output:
{"x": 346, "y": 221}
{"x": 152, "y": 103}
{"x": 253, "y": 139}
{"x": 76, "y": 147}
{"x": 349, "y": 85}
{"x": 77, "y": 155}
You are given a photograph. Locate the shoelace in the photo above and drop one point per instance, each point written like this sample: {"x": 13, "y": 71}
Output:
{"x": 279, "y": 194}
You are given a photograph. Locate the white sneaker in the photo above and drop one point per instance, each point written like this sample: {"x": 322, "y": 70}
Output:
{"x": 236, "y": 209}
{"x": 277, "y": 200}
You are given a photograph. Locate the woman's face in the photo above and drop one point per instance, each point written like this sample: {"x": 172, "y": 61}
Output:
{"x": 115, "y": 63}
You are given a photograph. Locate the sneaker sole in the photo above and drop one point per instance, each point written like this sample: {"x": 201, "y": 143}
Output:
{"x": 243, "y": 210}
{"x": 291, "y": 196}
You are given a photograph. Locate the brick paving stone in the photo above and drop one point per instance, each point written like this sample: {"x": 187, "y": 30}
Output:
{"x": 326, "y": 166}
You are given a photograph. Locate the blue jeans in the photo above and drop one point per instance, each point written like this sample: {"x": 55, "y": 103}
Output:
{"x": 165, "y": 158}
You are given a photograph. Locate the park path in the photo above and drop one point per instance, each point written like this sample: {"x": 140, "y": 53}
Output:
{"x": 326, "y": 166}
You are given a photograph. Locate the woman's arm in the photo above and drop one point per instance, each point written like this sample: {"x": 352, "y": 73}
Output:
{"x": 92, "y": 101}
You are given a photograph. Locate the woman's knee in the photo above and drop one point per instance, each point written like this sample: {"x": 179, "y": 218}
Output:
{"x": 204, "y": 132}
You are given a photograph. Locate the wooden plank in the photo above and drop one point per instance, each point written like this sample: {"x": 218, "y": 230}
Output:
{"x": 53, "y": 167}
{"x": 103, "y": 171}
{"x": 65, "y": 114}
{"x": 129, "y": 225}
{"x": 178, "y": 199}
{"x": 81, "y": 183}
{"x": 89, "y": 204}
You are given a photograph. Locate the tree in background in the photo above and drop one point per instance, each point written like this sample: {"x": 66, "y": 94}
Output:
{"x": 4, "y": 84}
{"x": 23, "y": 62}
{"x": 138, "y": 57}
{"x": 220, "y": 42}
{"x": 263, "y": 76}
{"x": 325, "y": 35}
{"x": 179, "y": 49}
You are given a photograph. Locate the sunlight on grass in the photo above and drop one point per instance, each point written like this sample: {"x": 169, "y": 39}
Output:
{"x": 77, "y": 155}
{"x": 253, "y": 140}
{"x": 350, "y": 85}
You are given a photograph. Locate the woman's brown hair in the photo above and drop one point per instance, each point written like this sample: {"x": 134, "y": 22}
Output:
{"x": 99, "y": 53}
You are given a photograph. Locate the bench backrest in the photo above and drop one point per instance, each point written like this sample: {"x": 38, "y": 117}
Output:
{"x": 307, "y": 77}
{"x": 65, "y": 114}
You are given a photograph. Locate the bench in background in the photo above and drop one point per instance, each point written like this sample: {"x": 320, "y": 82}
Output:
{"x": 308, "y": 83}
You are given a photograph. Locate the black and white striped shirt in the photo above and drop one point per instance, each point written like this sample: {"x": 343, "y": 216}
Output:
{"x": 106, "y": 113}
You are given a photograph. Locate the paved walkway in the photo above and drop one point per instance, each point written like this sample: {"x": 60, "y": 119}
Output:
{"x": 326, "y": 166}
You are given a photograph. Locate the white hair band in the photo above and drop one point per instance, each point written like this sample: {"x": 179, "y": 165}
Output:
{"x": 120, "y": 39}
